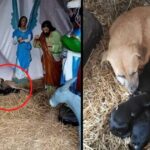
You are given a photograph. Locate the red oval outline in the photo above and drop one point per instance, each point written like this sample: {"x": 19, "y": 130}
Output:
{"x": 28, "y": 97}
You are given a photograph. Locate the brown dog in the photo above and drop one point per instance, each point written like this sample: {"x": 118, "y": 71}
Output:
{"x": 129, "y": 46}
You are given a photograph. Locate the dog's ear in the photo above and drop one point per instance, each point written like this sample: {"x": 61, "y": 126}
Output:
{"x": 141, "y": 53}
{"x": 104, "y": 57}
{"x": 144, "y": 58}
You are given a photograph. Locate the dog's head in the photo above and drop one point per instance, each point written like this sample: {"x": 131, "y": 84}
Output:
{"x": 126, "y": 62}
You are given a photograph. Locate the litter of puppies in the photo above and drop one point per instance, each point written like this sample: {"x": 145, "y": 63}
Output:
{"x": 132, "y": 118}
{"x": 122, "y": 118}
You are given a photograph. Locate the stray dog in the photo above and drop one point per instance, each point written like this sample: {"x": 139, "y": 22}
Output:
{"x": 141, "y": 131}
{"x": 5, "y": 89}
{"x": 122, "y": 118}
{"x": 129, "y": 46}
{"x": 8, "y": 91}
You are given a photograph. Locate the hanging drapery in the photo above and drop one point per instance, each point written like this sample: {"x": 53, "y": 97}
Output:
{"x": 54, "y": 11}
{"x": 34, "y": 14}
{"x": 15, "y": 15}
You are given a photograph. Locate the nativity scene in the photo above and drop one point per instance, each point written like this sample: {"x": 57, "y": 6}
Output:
{"x": 42, "y": 38}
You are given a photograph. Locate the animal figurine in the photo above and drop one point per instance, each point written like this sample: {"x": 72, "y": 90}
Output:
{"x": 129, "y": 48}
{"x": 122, "y": 117}
{"x": 64, "y": 95}
{"x": 140, "y": 134}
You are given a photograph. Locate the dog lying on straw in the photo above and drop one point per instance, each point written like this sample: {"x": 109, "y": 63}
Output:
{"x": 129, "y": 46}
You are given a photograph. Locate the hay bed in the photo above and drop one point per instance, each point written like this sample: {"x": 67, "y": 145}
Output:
{"x": 101, "y": 91}
{"x": 34, "y": 127}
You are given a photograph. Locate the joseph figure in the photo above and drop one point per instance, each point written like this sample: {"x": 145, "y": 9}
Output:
{"x": 50, "y": 43}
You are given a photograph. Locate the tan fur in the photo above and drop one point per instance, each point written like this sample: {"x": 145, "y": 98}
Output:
{"x": 129, "y": 45}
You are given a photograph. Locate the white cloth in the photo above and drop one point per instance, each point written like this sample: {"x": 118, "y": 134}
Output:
{"x": 6, "y": 72}
{"x": 19, "y": 74}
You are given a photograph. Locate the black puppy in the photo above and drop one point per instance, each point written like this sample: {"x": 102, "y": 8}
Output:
{"x": 8, "y": 90}
{"x": 4, "y": 89}
{"x": 122, "y": 118}
{"x": 141, "y": 131}
{"x": 144, "y": 80}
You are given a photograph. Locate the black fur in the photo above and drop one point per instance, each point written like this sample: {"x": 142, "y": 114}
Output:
{"x": 122, "y": 118}
{"x": 133, "y": 116}
{"x": 5, "y": 90}
{"x": 8, "y": 91}
{"x": 141, "y": 131}
{"x": 144, "y": 80}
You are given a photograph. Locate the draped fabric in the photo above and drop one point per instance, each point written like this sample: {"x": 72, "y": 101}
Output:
{"x": 8, "y": 50}
{"x": 55, "y": 11}
{"x": 6, "y": 72}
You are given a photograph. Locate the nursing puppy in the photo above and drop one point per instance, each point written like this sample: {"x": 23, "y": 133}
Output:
{"x": 122, "y": 117}
{"x": 129, "y": 46}
{"x": 144, "y": 80}
{"x": 141, "y": 131}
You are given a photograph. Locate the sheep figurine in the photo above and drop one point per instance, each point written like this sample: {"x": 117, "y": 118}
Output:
{"x": 64, "y": 95}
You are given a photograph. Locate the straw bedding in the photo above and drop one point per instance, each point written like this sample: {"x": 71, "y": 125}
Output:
{"x": 101, "y": 90}
{"x": 34, "y": 127}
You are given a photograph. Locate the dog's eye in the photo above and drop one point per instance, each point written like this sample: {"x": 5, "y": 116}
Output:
{"x": 133, "y": 73}
{"x": 121, "y": 76}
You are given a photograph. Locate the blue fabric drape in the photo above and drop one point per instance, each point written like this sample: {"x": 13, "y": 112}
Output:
{"x": 33, "y": 15}
{"x": 15, "y": 15}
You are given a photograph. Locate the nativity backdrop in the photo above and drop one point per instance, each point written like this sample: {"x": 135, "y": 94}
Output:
{"x": 36, "y": 11}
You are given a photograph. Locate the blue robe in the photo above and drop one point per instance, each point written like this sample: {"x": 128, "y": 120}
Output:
{"x": 70, "y": 67}
{"x": 23, "y": 49}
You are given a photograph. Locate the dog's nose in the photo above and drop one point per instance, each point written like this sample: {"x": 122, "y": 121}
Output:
{"x": 133, "y": 147}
